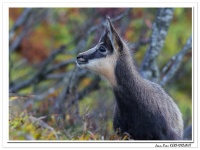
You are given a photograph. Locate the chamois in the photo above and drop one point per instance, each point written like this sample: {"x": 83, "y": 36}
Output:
{"x": 142, "y": 108}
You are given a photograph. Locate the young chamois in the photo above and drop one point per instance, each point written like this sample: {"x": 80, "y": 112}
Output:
{"x": 142, "y": 108}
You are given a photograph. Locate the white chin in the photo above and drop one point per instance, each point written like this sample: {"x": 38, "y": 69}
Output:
{"x": 81, "y": 65}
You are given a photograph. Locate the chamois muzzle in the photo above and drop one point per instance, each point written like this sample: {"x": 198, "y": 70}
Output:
{"x": 81, "y": 59}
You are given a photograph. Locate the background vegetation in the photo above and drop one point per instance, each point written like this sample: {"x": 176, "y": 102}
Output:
{"x": 52, "y": 100}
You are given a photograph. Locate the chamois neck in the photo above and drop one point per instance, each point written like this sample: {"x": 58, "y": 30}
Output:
{"x": 131, "y": 87}
{"x": 126, "y": 73}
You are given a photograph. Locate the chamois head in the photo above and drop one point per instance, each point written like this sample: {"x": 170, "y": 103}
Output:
{"x": 103, "y": 57}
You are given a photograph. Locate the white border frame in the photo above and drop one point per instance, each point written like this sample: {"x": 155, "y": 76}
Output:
{"x": 103, "y": 3}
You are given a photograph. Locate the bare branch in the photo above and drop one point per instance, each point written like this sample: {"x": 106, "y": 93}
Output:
{"x": 161, "y": 24}
{"x": 40, "y": 74}
{"x": 20, "y": 21}
{"x": 18, "y": 40}
{"x": 175, "y": 62}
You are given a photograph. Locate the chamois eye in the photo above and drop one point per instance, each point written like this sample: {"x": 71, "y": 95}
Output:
{"x": 102, "y": 49}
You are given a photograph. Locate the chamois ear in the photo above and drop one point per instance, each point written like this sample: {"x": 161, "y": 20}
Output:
{"x": 114, "y": 36}
{"x": 105, "y": 38}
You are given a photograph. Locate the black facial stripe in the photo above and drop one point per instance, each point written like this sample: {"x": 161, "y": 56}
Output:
{"x": 94, "y": 55}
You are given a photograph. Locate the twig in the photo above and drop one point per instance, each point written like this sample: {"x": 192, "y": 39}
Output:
{"x": 175, "y": 62}
{"x": 60, "y": 65}
{"x": 139, "y": 43}
{"x": 20, "y": 95}
{"x": 149, "y": 67}
{"x": 57, "y": 75}
{"x": 39, "y": 122}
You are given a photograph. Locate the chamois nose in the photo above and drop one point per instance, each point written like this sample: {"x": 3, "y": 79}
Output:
{"x": 81, "y": 59}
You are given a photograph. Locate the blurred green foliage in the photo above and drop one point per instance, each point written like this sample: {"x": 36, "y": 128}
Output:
{"x": 91, "y": 118}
